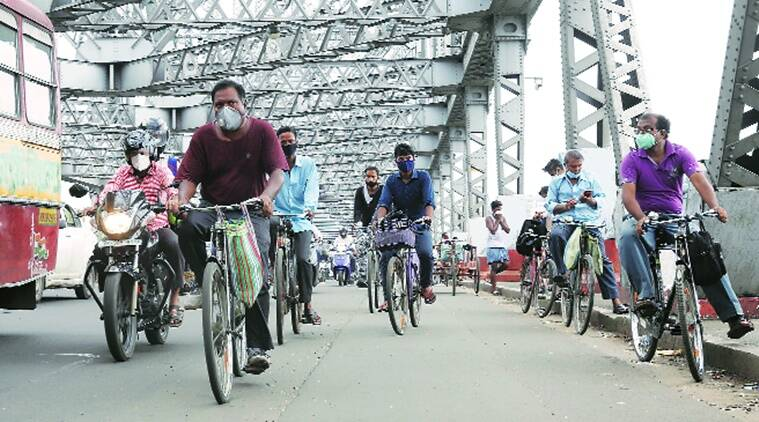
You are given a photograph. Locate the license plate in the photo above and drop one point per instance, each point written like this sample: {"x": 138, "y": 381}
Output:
{"x": 115, "y": 243}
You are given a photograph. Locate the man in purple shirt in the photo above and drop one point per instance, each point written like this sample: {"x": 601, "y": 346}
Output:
{"x": 652, "y": 181}
{"x": 234, "y": 158}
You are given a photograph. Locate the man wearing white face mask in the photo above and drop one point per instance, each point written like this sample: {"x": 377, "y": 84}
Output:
{"x": 236, "y": 157}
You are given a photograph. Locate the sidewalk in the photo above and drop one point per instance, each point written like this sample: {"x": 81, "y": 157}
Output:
{"x": 740, "y": 357}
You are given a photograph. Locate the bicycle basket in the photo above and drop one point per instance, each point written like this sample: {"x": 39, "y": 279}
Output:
{"x": 395, "y": 233}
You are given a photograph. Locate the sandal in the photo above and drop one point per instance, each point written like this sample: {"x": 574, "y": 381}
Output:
{"x": 312, "y": 317}
{"x": 176, "y": 316}
{"x": 429, "y": 296}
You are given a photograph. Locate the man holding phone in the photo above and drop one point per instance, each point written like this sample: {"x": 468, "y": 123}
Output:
{"x": 575, "y": 194}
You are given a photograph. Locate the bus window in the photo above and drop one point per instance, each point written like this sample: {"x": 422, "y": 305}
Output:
{"x": 38, "y": 67}
{"x": 9, "y": 101}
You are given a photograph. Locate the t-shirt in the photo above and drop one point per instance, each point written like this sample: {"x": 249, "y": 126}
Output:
{"x": 232, "y": 172}
{"x": 412, "y": 197}
{"x": 659, "y": 187}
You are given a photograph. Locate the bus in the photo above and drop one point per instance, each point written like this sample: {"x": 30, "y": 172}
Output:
{"x": 30, "y": 152}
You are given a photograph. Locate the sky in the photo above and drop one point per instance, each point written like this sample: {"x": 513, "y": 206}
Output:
{"x": 682, "y": 50}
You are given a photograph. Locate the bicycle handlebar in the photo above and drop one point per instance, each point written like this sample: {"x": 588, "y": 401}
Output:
{"x": 255, "y": 203}
{"x": 679, "y": 220}
{"x": 581, "y": 224}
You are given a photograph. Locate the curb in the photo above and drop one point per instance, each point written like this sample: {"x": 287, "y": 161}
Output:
{"x": 740, "y": 362}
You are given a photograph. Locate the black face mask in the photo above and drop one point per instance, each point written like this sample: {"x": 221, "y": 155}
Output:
{"x": 289, "y": 150}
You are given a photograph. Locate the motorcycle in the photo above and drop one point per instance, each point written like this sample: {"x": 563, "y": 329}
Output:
{"x": 133, "y": 299}
{"x": 341, "y": 265}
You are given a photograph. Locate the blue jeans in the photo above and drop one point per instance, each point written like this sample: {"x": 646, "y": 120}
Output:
{"x": 560, "y": 234}
{"x": 634, "y": 257}
{"x": 423, "y": 250}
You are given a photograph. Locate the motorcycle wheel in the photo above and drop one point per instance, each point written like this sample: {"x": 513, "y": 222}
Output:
{"x": 120, "y": 326}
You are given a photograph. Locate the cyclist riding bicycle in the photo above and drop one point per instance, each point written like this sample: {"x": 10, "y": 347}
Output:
{"x": 299, "y": 195}
{"x": 236, "y": 157}
{"x": 410, "y": 191}
{"x": 142, "y": 149}
{"x": 575, "y": 194}
{"x": 652, "y": 181}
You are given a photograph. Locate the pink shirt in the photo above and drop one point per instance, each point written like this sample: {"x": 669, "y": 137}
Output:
{"x": 156, "y": 186}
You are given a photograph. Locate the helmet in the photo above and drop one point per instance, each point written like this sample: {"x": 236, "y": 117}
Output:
{"x": 159, "y": 131}
{"x": 137, "y": 139}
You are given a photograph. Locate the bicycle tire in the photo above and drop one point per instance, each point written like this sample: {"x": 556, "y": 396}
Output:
{"x": 240, "y": 348}
{"x": 644, "y": 338}
{"x": 415, "y": 302}
{"x": 546, "y": 274}
{"x": 584, "y": 285}
{"x": 296, "y": 307}
{"x": 280, "y": 273}
{"x": 566, "y": 302}
{"x": 395, "y": 295}
{"x": 120, "y": 326}
{"x": 217, "y": 333}
{"x": 454, "y": 275}
{"x": 526, "y": 285}
{"x": 477, "y": 279}
{"x": 370, "y": 276}
{"x": 690, "y": 323}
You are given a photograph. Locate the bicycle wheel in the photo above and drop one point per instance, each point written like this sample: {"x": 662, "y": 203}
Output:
{"x": 585, "y": 283}
{"x": 370, "y": 276}
{"x": 415, "y": 300}
{"x": 690, "y": 322}
{"x": 239, "y": 343}
{"x": 547, "y": 289}
{"x": 217, "y": 332}
{"x": 566, "y": 300}
{"x": 644, "y": 335}
{"x": 296, "y": 307}
{"x": 526, "y": 284}
{"x": 395, "y": 294}
{"x": 120, "y": 324}
{"x": 454, "y": 275}
{"x": 280, "y": 276}
{"x": 477, "y": 277}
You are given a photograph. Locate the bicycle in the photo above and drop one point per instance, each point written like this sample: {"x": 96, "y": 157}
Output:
{"x": 365, "y": 242}
{"x": 224, "y": 335}
{"x": 286, "y": 292}
{"x": 583, "y": 279}
{"x": 671, "y": 234}
{"x": 450, "y": 268}
{"x": 402, "y": 289}
{"x": 536, "y": 278}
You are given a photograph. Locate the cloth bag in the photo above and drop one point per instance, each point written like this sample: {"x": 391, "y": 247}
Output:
{"x": 245, "y": 258}
{"x": 572, "y": 252}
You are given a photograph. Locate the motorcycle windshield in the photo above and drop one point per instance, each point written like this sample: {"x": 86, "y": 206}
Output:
{"x": 130, "y": 202}
{"x": 124, "y": 200}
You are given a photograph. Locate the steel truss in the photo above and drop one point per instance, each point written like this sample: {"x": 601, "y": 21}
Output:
{"x": 604, "y": 87}
{"x": 734, "y": 160}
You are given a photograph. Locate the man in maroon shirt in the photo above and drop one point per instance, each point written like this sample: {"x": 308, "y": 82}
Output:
{"x": 234, "y": 158}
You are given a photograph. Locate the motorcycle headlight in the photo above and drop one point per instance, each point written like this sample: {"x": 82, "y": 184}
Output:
{"x": 116, "y": 223}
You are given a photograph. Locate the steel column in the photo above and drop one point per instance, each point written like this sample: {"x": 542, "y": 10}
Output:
{"x": 460, "y": 179}
{"x": 510, "y": 35}
{"x": 476, "y": 110}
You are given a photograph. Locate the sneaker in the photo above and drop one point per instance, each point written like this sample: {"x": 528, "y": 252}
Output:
{"x": 560, "y": 281}
{"x": 361, "y": 284}
{"x": 258, "y": 361}
{"x": 646, "y": 307}
{"x": 739, "y": 327}
{"x": 311, "y": 317}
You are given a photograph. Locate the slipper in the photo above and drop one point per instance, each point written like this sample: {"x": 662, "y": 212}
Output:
{"x": 429, "y": 296}
{"x": 176, "y": 316}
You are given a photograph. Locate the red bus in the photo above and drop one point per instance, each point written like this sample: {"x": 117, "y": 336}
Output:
{"x": 30, "y": 152}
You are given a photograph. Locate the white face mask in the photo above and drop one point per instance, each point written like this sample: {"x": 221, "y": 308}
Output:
{"x": 140, "y": 162}
{"x": 228, "y": 119}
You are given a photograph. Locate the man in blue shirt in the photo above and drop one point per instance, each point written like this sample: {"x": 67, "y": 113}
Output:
{"x": 410, "y": 191}
{"x": 299, "y": 195}
{"x": 575, "y": 194}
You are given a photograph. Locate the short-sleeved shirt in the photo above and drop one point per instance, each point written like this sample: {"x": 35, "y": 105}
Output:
{"x": 232, "y": 172}
{"x": 659, "y": 187}
{"x": 562, "y": 190}
{"x": 412, "y": 197}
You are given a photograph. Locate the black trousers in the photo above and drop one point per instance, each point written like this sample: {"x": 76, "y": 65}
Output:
{"x": 305, "y": 271}
{"x": 194, "y": 231}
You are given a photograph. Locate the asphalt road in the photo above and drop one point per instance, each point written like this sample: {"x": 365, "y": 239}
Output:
{"x": 473, "y": 359}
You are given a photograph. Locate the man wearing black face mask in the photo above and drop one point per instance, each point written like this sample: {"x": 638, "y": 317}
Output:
{"x": 299, "y": 195}
{"x": 367, "y": 197}
{"x": 411, "y": 191}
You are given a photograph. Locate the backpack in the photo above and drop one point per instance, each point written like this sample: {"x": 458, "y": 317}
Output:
{"x": 527, "y": 244}
{"x": 707, "y": 263}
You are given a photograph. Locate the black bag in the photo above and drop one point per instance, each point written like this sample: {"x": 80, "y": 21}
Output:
{"x": 526, "y": 244}
{"x": 707, "y": 263}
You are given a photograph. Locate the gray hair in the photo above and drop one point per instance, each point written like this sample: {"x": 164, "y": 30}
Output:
{"x": 573, "y": 154}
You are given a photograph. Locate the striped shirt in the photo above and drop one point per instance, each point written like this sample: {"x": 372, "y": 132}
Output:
{"x": 156, "y": 186}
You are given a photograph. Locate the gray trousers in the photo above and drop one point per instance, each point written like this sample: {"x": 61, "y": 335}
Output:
{"x": 634, "y": 257}
{"x": 194, "y": 231}
{"x": 304, "y": 269}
